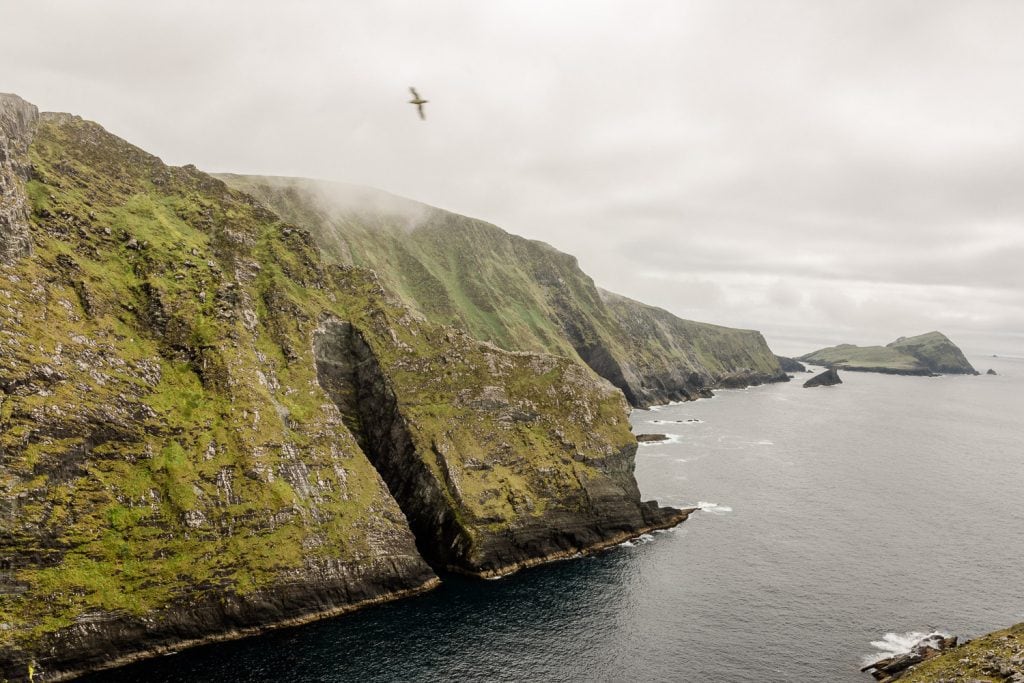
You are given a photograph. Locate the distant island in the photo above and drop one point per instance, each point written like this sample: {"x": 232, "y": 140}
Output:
{"x": 925, "y": 355}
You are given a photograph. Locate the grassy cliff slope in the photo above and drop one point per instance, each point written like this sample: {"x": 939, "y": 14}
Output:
{"x": 170, "y": 468}
{"x": 520, "y": 294}
{"x": 204, "y": 427}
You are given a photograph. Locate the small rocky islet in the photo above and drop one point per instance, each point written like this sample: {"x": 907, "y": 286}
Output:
{"x": 929, "y": 354}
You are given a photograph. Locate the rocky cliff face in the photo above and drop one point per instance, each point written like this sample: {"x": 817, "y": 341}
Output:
{"x": 194, "y": 409}
{"x": 679, "y": 360}
{"x": 17, "y": 125}
{"x": 170, "y": 468}
{"x": 520, "y": 294}
{"x": 500, "y": 459}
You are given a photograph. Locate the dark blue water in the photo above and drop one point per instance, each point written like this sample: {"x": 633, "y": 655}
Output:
{"x": 833, "y": 516}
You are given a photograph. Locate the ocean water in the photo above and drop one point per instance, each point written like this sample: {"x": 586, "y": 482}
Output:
{"x": 836, "y": 522}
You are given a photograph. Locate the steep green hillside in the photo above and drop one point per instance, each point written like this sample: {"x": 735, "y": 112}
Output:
{"x": 168, "y": 460}
{"x": 520, "y": 294}
{"x": 924, "y": 354}
{"x": 196, "y": 413}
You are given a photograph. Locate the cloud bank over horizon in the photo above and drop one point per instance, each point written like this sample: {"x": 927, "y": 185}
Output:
{"x": 822, "y": 172}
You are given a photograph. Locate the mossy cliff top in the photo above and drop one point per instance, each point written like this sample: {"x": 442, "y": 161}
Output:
{"x": 520, "y": 294}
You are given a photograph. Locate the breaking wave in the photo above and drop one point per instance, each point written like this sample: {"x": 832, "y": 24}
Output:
{"x": 898, "y": 644}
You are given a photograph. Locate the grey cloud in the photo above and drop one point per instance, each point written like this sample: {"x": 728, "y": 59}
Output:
{"x": 784, "y": 165}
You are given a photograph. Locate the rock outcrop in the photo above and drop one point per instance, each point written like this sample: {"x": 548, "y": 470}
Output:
{"x": 17, "y": 125}
{"x": 791, "y": 364}
{"x": 522, "y": 295}
{"x": 924, "y": 355}
{"x": 998, "y": 656}
{"x": 889, "y": 669}
{"x": 990, "y": 371}
{"x": 825, "y": 379}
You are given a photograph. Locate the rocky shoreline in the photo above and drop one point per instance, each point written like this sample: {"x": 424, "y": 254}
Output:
{"x": 156, "y": 649}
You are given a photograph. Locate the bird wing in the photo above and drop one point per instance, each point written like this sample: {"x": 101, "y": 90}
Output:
{"x": 422, "y": 115}
{"x": 414, "y": 93}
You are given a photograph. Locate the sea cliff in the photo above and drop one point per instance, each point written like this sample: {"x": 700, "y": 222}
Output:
{"x": 520, "y": 294}
{"x": 207, "y": 430}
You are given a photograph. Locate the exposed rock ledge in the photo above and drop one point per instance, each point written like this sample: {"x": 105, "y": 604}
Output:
{"x": 17, "y": 124}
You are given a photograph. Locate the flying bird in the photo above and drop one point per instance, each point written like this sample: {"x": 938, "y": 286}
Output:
{"x": 418, "y": 101}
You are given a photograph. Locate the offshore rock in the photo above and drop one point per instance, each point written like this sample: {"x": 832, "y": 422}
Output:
{"x": 990, "y": 371}
{"x": 651, "y": 438}
{"x": 17, "y": 125}
{"x": 825, "y": 379}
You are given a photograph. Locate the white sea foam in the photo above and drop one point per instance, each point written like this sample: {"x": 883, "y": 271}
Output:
{"x": 898, "y": 643}
{"x": 715, "y": 508}
{"x": 639, "y": 540}
{"x": 764, "y": 442}
{"x": 672, "y": 438}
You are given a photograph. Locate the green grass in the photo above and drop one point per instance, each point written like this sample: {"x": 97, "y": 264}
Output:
{"x": 848, "y": 356}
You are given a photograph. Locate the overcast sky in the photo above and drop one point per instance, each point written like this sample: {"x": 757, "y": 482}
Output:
{"x": 821, "y": 171}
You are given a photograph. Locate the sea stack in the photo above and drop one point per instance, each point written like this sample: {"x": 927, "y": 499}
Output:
{"x": 825, "y": 379}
